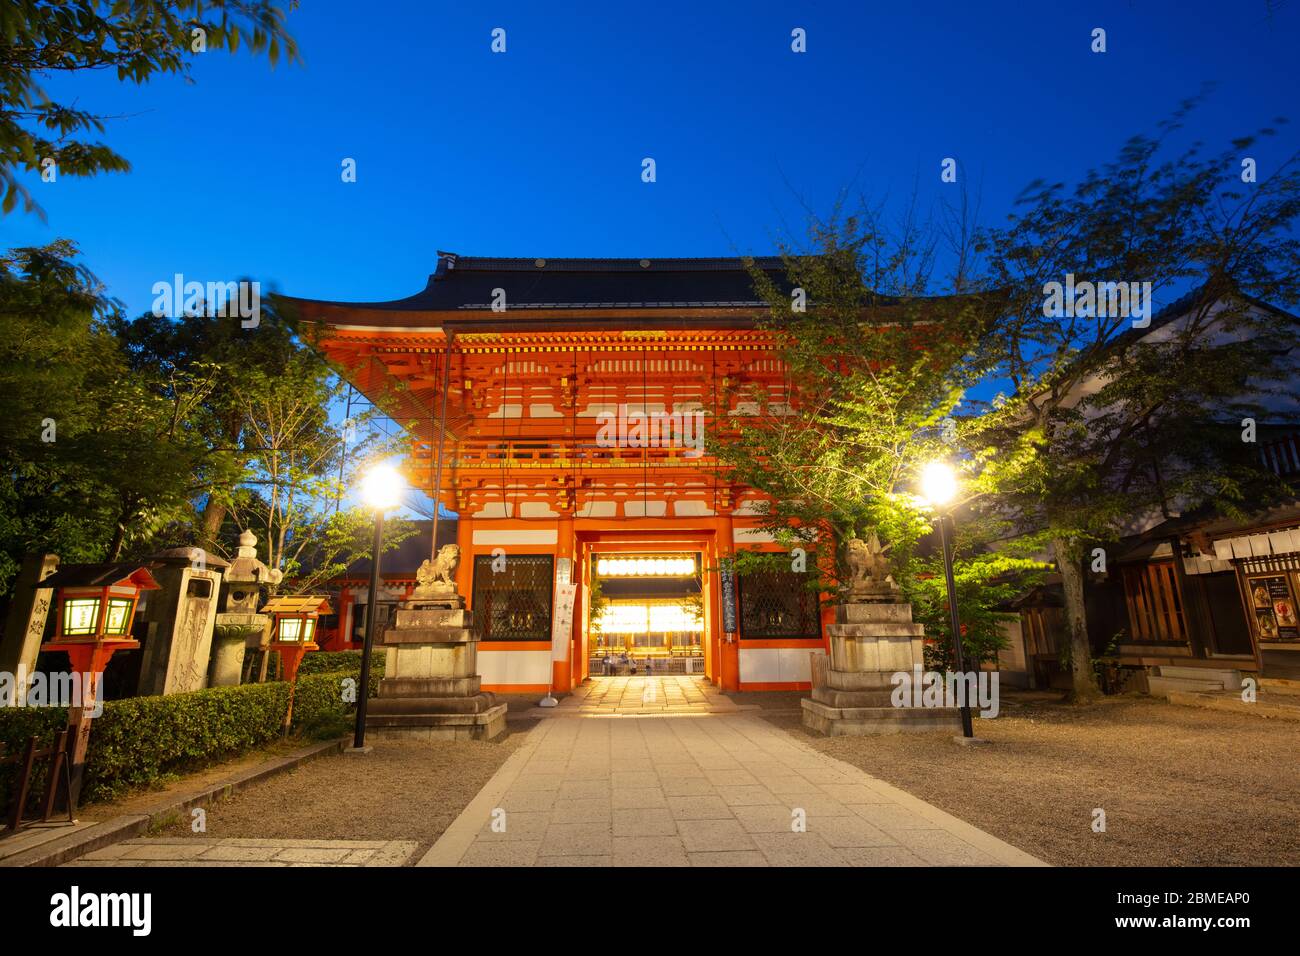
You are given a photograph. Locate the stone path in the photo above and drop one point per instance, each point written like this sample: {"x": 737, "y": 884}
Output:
{"x": 722, "y": 790}
{"x": 247, "y": 852}
{"x": 642, "y": 695}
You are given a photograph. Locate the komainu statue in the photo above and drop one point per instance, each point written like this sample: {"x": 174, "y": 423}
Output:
{"x": 438, "y": 576}
{"x": 869, "y": 579}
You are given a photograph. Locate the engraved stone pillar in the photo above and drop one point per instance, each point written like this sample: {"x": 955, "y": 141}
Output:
{"x": 180, "y": 615}
{"x": 29, "y": 606}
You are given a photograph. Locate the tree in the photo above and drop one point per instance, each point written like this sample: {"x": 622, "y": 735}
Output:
{"x": 97, "y": 454}
{"x": 876, "y": 370}
{"x": 139, "y": 40}
{"x": 1101, "y": 425}
{"x": 223, "y": 349}
{"x": 278, "y": 463}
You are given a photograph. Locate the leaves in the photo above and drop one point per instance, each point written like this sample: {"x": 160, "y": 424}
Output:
{"x": 138, "y": 41}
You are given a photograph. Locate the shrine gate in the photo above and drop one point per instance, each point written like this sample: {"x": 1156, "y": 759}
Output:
{"x": 574, "y": 392}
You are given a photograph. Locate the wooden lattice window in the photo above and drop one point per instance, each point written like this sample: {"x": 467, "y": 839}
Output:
{"x": 1154, "y": 609}
{"x": 777, "y": 603}
{"x": 513, "y": 603}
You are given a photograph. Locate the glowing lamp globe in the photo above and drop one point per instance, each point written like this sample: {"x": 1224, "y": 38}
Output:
{"x": 938, "y": 483}
{"x": 382, "y": 487}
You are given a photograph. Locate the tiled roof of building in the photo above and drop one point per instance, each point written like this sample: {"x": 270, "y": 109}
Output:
{"x": 466, "y": 283}
{"x": 404, "y": 560}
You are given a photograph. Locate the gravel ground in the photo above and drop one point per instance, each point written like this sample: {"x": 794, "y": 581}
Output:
{"x": 1180, "y": 786}
{"x": 400, "y": 791}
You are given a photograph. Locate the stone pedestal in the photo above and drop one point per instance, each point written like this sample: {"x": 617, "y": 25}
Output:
{"x": 230, "y": 639}
{"x": 430, "y": 688}
{"x": 870, "y": 643}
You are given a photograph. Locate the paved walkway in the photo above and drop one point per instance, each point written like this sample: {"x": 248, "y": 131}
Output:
{"x": 643, "y": 695}
{"x": 721, "y": 790}
{"x": 248, "y": 852}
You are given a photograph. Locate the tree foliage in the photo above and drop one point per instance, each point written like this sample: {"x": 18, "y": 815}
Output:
{"x": 1102, "y": 428}
{"x": 138, "y": 40}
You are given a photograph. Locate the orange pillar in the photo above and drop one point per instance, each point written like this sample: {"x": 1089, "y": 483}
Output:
{"x": 580, "y": 615}
{"x": 729, "y": 658}
{"x": 465, "y": 541}
{"x": 562, "y": 653}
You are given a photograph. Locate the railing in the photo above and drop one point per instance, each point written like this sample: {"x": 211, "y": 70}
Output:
{"x": 60, "y": 771}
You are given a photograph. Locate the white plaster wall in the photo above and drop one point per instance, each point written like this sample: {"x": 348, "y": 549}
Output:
{"x": 515, "y": 667}
{"x": 769, "y": 665}
{"x": 515, "y": 536}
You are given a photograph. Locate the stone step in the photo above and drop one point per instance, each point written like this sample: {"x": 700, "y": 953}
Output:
{"x": 1280, "y": 707}
{"x": 1162, "y": 686}
{"x": 1226, "y": 677}
{"x": 1280, "y": 685}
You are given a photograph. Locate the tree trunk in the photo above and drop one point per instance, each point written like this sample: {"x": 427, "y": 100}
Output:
{"x": 119, "y": 537}
{"x": 1076, "y": 621}
{"x": 214, "y": 515}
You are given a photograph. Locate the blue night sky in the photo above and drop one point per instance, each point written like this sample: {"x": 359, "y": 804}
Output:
{"x": 538, "y": 152}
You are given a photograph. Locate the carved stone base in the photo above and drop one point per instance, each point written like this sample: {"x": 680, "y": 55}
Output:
{"x": 431, "y": 689}
{"x": 231, "y": 637}
{"x": 487, "y": 725}
{"x": 870, "y": 642}
{"x": 874, "y": 721}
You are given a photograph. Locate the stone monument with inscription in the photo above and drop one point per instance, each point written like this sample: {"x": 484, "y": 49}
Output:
{"x": 873, "y": 638}
{"x": 178, "y": 619}
{"x": 431, "y": 686}
{"x": 24, "y": 626}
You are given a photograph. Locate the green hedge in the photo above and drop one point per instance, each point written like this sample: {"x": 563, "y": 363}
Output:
{"x": 328, "y": 662}
{"x": 141, "y": 740}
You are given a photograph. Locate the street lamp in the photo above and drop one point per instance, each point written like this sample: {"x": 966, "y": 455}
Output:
{"x": 939, "y": 487}
{"x": 381, "y": 489}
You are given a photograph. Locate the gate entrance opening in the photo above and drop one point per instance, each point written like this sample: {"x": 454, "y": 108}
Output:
{"x": 646, "y": 614}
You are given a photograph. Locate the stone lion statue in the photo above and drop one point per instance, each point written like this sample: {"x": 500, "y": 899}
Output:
{"x": 868, "y": 566}
{"x": 439, "y": 574}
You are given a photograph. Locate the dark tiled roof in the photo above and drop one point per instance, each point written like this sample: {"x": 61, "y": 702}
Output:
{"x": 465, "y": 283}
{"x": 406, "y": 559}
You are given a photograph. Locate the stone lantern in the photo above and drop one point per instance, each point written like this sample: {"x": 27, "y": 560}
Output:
{"x": 295, "y": 635}
{"x": 240, "y": 627}
{"x": 96, "y": 607}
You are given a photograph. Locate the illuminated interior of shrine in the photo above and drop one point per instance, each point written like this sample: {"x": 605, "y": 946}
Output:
{"x": 652, "y": 606}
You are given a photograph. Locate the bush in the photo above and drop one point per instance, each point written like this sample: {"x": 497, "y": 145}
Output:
{"x": 141, "y": 740}
{"x": 329, "y": 662}
{"x": 319, "y": 707}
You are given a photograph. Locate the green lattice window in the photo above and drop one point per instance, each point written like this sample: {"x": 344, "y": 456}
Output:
{"x": 776, "y": 603}
{"x": 513, "y": 603}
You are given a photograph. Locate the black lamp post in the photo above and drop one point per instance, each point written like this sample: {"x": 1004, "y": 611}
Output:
{"x": 381, "y": 489}
{"x": 940, "y": 486}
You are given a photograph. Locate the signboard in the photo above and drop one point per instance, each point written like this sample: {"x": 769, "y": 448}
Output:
{"x": 727, "y": 580}
{"x": 562, "y": 621}
{"x": 1273, "y": 608}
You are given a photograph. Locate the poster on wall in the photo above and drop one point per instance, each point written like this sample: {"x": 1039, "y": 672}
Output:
{"x": 1274, "y": 608}
{"x": 562, "y": 622}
